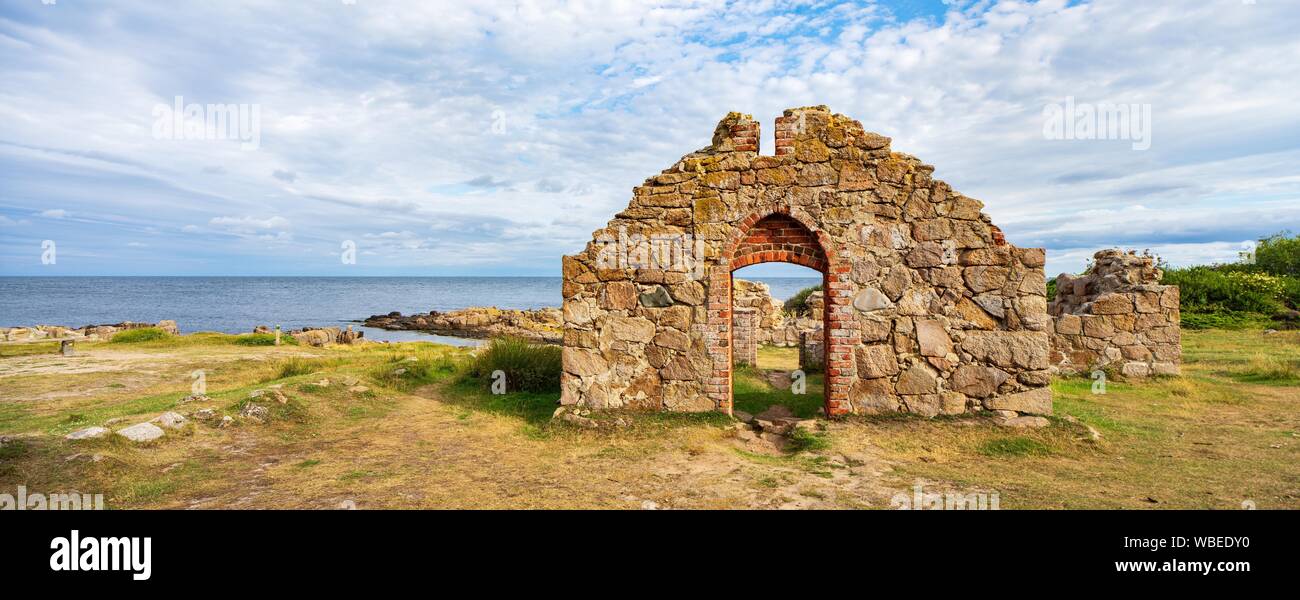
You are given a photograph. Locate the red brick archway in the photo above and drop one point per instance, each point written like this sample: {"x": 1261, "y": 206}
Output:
{"x": 780, "y": 236}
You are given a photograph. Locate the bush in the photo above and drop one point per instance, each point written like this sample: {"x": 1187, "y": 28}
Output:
{"x": 1278, "y": 254}
{"x": 264, "y": 339}
{"x": 1224, "y": 320}
{"x": 135, "y": 336}
{"x": 798, "y": 303}
{"x": 527, "y": 367}
{"x": 1216, "y": 289}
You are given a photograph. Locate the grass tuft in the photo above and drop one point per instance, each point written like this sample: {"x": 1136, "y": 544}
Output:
{"x": 1014, "y": 446}
{"x": 527, "y": 367}
{"x": 136, "y": 336}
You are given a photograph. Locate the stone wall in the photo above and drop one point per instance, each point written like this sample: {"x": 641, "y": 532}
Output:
{"x": 744, "y": 336}
{"x": 1118, "y": 316}
{"x": 812, "y": 351}
{"x": 774, "y": 326}
{"x": 927, "y": 308}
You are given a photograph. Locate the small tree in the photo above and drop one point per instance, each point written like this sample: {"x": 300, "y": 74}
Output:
{"x": 1279, "y": 254}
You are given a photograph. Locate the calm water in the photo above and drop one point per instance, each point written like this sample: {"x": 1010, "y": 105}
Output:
{"x": 237, "y": 304}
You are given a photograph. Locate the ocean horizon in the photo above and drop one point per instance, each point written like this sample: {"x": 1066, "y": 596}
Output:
{"x": 236, "y": 304}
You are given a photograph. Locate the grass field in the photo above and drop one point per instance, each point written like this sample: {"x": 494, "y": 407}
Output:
{"x": 420, "y": 436}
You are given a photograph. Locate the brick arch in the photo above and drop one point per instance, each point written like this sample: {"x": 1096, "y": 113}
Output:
{"x": 779, "y": 236}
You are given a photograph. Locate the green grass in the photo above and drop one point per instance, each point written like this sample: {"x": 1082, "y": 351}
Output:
{"x": 525, "y": 366}
{"x": 1230, "y": 320}
{"x": 752, "y": 393}
{"x": 10, "y": 350}
{"x": 408, "y": 371}
{"x": 1014, "y": 446}
{"x": 263, "y": 339}
{"x": 1270, "y": 369}
{"x": 136, "y": 336}
{"x": 295, "y": 366}
{"x": 802, "y": 440}
{"x": 534, "y": 408}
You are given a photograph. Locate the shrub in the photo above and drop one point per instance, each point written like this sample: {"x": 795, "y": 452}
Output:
{"x": 1223, "y": 320}
{"x": 527, "y": 367}
{"x": 135, "y": 336}
{"x": 263, "y": 339}
{"x": 1279, "y": 254}
{"x": 1215, "y": 289}
{"x": 798, "y": 303}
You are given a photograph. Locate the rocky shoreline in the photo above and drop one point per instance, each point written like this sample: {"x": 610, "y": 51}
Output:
{"x": 88, "y": 333}
{"x": 310, "y": 336}
{"x": 543, "y": 325}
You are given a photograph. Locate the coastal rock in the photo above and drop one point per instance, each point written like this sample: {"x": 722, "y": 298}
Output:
{"x": 539, "y": 325}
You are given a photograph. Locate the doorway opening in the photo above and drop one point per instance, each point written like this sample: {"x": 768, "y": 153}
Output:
{"x": 778, "y": 354}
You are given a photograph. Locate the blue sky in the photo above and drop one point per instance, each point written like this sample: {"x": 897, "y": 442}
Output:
{"x": 491, "y": 138}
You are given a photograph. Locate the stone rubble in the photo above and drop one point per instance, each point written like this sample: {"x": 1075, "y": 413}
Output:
{"x": 1116, "y": 316}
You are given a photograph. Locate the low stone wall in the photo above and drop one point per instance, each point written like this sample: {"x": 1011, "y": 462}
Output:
{"x": 773, "y": 327}
{"x": 812, "y": 351}
{"x": 1117, "y": 316}
{"x": 744, "y": 324}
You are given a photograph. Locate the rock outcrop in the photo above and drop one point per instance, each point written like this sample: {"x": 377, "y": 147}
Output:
{"x": 86, "y": 333}
{"x": 540, "y": 325}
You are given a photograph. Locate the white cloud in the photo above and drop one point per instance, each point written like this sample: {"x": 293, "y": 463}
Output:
{"x": 517, "y": 129}
{"x": 54, "y": 213}
{"x": 248, "y": 224}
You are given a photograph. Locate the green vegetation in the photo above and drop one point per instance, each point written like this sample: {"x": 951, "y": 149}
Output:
{"x": 753, "y": 392}
{"x": 1263, "y": 292}
{"x": 427, "y": 434}
{"x": 527, "y": 367}
{"x": 798, "y": 303}
{"x": 1279, "y": 255}
{"x": 136, "y": 336}
{"x": 263, "y": 339}
{"x": 1014, "y": 446}
{"x": 803, "y": 440}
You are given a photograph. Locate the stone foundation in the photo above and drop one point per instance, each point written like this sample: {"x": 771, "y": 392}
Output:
{"x": 1116, "y": 316}
{"x": 927, "y": 308}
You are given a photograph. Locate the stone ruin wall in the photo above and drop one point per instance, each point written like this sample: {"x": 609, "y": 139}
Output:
{"x": 773, "y": 327}
{"x": 928, "y": 309}
{"x": 745, "y": 328}
{"x": 1116, "y": 316}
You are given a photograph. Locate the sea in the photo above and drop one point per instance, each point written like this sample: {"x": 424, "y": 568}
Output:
{"x": 237, "y": 304}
